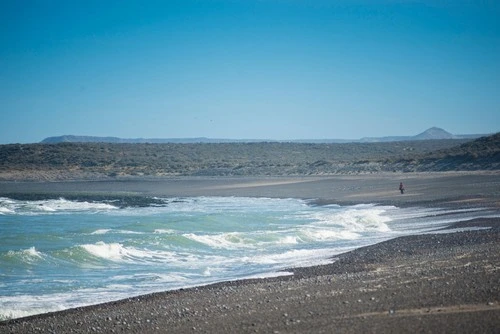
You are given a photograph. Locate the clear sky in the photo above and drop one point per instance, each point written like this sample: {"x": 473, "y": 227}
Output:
{"x": 268, "y": 69}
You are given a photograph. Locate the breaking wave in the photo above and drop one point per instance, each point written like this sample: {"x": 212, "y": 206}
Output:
{"x": 59, "y": 253}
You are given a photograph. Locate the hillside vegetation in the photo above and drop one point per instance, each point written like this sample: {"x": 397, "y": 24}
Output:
{"x": 105, "y": 160}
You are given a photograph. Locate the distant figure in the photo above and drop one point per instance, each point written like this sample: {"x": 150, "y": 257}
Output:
{"x": 401, "y": 188}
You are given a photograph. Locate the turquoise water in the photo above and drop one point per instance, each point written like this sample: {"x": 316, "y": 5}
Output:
{"x": 58, "y": 254}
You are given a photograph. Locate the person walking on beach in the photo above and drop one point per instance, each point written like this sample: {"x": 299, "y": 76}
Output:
{"x": 401, "y": 187}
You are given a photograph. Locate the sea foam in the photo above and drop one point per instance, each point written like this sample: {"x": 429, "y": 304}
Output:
{"x": 61, "y": 205}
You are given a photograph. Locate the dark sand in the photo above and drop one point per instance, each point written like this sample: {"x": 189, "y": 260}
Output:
{"x": 435, "y": 283}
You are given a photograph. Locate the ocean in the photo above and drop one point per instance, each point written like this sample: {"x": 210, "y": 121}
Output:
{"x": 57, "y": 254}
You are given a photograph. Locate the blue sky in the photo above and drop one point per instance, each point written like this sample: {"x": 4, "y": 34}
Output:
{"x": 268, "y": 69}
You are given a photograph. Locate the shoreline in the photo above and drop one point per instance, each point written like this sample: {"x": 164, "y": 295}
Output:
{"x": 431, "y": 282}
{"x": 469, "y": 189}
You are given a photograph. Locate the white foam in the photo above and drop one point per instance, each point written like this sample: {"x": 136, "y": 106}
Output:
{"x": 241, "y": 240}
{"x": 26, "y": 255}
{"x": 5, "y": 210}
{"x": 294, "y": 258}
{"x": 113, "y": 251}
{"x": 269, "y": 275}
{"x": 117, "y": 252}
{"x": 214, "y": 205}
{"x": 106, "y": 231}
{"x": 288, "y": 240}
{"x": 65, "y": 205}
{"x": 164, "y": 231}
{"x": 26, "y": 305}
{"x": 128, "y": 232}
{"x": 330, "y": 235}
{"x": 223, "y": 240}
{"x": 60, "y": 205}
{"x": 101, "y": 231}
{"x": 32, "y": 252}
{"x": 15, "y": 311}
{"x": 364, "y": 220}
{"x": 406, "y": 222}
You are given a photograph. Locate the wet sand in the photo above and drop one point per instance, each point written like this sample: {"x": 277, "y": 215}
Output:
{"x": 442, "y": 283}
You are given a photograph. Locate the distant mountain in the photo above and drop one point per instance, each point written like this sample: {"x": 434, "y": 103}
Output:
{"x": 429, "y": 134}
{"x": 383, "y": 139}
{"x": 93, "y": 139}
{"x": 432, "y": 133}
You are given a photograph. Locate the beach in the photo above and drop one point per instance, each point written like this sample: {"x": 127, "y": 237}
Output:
{"x": 439, "y": 282}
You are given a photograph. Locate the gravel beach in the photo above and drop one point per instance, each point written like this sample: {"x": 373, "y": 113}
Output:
{"x": 432, "y": 283}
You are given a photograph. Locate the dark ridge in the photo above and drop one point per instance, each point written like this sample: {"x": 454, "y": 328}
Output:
{"x": 112, "y": 160}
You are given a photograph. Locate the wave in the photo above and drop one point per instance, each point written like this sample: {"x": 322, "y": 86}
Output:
{"x": 119, "y": 253}
{"x": 29, "y": 255}
{"x": 96, "y": 253}
{"x": 164, "y": 231}
{"x": 61, "y": 205}
{"x": 354, "y": 219}
{"x": 116, "y": 252}
{"x": 4, "y": 210}
{"x": 322, "y": 225}
{"x": 12, "y": 312}
{"x": 324, "y": 235}
{"x": 101, "y": 231}
{"x": 295, "y": 257}
{"x": 110, "y": 231}
{"x": 225, "y": 240}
